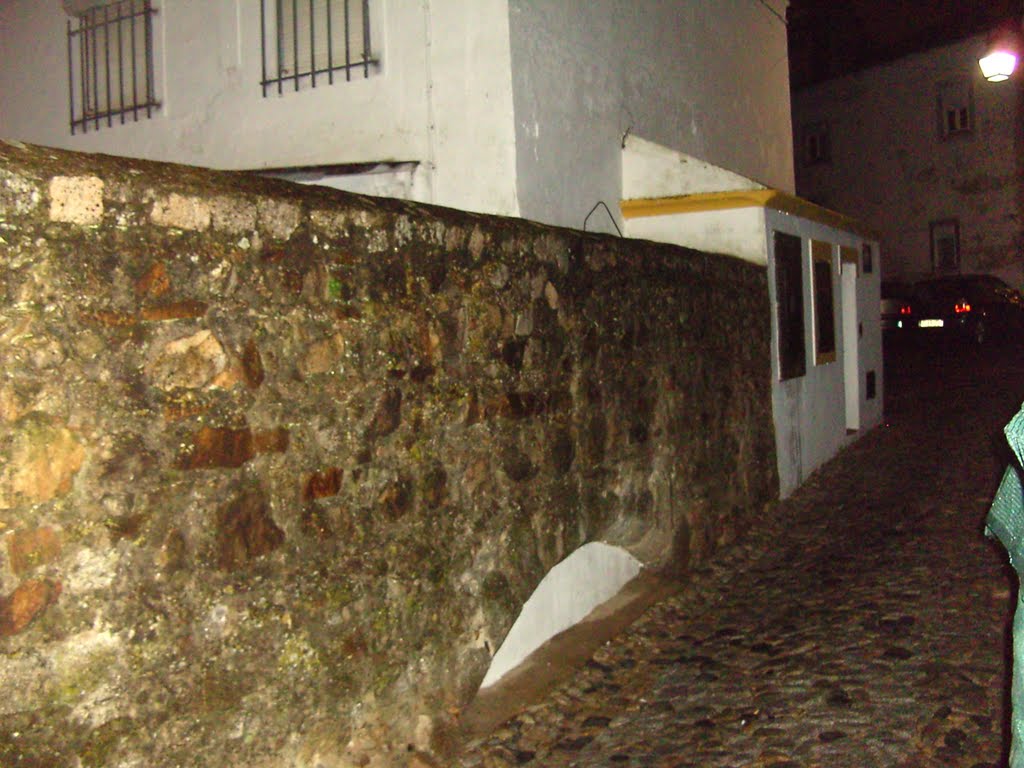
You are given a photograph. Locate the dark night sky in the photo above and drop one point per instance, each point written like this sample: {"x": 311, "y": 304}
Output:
{"x": 828, "y": 38}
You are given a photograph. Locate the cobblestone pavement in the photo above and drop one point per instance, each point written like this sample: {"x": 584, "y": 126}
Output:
{"x": 866, "y": 624}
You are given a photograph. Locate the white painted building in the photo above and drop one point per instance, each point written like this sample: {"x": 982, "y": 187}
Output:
{"x": 926, "y": 151}
{"x": 514, "y": 107}
{"x": 823, "y": 284}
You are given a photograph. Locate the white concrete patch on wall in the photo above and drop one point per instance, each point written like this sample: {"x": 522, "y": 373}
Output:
{"x": 590, "y": 576}
{"x": 737, "y": 232}
{"x": 651, "y": 170}
{"x": 472, "y": 127}
{"x": 402, "y": 180}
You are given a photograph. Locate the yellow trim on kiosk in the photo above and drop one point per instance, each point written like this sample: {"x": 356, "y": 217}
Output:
{"x": 744, "y": 198}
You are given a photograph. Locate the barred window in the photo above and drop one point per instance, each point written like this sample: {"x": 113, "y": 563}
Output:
{"x": 307, "y": 43}
{"x": 110, "y": 63}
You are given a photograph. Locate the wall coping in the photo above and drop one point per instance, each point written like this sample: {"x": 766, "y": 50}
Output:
{"x": 744, "y": 198}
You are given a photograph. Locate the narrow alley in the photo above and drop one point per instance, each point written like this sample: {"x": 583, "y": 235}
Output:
{"x": 866, "y": 626}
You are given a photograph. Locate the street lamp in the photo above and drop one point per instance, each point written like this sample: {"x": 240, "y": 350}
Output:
{"x": 998, "y": 65}
{"x": 1001, "y": 60}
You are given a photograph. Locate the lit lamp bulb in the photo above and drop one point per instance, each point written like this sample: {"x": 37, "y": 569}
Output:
{"x": 998, "y": 65}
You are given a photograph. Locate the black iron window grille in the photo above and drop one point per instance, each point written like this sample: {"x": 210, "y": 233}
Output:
{"x": 110, "y": 64}
{"x": 307, "y": 43}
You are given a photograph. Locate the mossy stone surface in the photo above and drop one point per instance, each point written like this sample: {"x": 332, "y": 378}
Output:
{"x": 318, "y": 449}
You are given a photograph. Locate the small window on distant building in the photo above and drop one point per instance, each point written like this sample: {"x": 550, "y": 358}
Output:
{"x": 789, "y": 305}
{"x": 956, "y": 109}
{"x": 945, "y": 236}
{"x": 824, "y": 310}
{"x": 817, "y": 146}
{"x": 867, "y": 259}
{"x": 110, "y": 63}
{"x": 310, "y": 43}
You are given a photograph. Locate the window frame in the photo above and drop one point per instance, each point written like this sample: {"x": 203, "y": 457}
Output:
{"x": 823, "y": 302}
{"x": 867, "y": 258}
{"x": 101, "y": 90}
{"x": 816, "y": 143}
{"x": 289, "y": 34}
{"x": 955, "y": 99}
{"x": 788, "y": 260}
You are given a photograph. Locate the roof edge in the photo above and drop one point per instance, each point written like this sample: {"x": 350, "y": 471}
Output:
{"x": 754, "y": 198}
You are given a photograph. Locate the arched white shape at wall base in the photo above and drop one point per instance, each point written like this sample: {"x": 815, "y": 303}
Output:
{"x": 590, "y": 576}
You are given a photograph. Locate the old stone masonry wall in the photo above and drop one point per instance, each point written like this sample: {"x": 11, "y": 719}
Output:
{"x": 279, "y": 465}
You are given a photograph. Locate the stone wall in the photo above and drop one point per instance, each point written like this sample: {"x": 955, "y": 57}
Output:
{"x": 279, "y": 465}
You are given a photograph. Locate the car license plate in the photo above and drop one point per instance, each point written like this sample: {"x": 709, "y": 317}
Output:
{"x": 929, "y": 323}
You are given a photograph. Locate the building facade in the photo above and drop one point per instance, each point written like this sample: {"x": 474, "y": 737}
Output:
{"x": 513, "y": 107}
{"x": 927, "y": 152}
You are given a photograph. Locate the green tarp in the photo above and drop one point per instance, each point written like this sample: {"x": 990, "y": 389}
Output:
{"x": 1006, "y": 523}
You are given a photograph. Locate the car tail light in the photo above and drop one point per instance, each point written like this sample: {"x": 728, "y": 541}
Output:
{"x": 961, "y": 306}
{"x": 904, "y": 309}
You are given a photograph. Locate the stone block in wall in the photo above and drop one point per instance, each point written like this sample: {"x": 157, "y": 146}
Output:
{"x": 181, "y": 212}
{"x": 41, "y": 463}
{"x": 76, "y": 199}
{"x": 174, "y": 310}
{"x": 278, "y": 218}
{"x": 18, "y": 195}
{"x": 226, "y": 447}
{"x": 323, "y": 356}
{"x": 246, "y": 530}
{"x": 28, "y": 548}
{"x": 190, "y": 362}
{"x": 28, "y": 601}
{"x": 233, "y": 215}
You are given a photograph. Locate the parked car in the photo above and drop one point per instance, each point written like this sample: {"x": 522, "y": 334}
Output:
{"x": 896, "y": 307}
{"x": 974, "y": 307}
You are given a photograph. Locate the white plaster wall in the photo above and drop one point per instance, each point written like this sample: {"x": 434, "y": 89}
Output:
{"x": 809, "y": 411}
{"x": 402, "y": 180}
{"x": 590, "y": 576}
{"x": 890, "y": 169}
{"x": 708, "y": 79}
{"x": 442, "y": 97}
{"x": 651, "y": 170}
{"x": 208, "y": 70}
{"x": 737, "y": 232}
{"x": 473, "y": 139}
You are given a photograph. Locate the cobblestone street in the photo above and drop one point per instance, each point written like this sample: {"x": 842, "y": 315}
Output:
{"x": 865, "y": 624}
